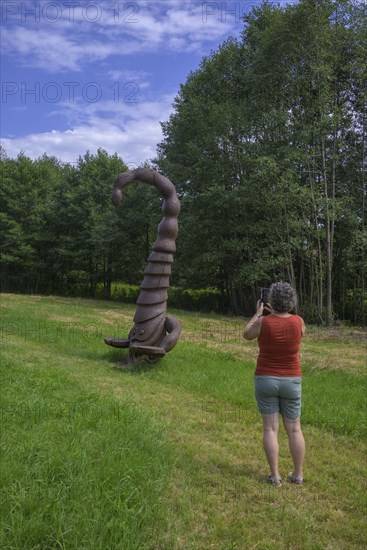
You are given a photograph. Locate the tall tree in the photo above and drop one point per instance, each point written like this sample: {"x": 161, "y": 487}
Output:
{"x": 269, "y": 119}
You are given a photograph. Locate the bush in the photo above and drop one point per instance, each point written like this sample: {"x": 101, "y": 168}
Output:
{"x": 120, "y": 291}
{"x": 205, "y": 299}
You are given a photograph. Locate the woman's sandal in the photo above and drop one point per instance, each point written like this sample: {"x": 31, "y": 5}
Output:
{"x": 297, "y": 480}
{"x": 274, "y": 480}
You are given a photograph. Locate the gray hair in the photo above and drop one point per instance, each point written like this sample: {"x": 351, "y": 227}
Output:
{"x": 282, "y": 297}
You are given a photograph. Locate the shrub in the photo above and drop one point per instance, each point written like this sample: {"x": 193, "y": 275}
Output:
{"x": 204, "y": 299}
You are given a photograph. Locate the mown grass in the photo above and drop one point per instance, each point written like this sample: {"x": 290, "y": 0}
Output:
{"x": 97, "y": 455}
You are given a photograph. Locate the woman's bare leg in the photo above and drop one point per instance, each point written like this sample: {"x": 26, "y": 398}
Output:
{"x": 296, "y": 444}
{"x": 270, "y": 441}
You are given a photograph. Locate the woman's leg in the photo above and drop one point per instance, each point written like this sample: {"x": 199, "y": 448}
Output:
{"x": 296, "y": 443}
{"x": 270, "y": 441}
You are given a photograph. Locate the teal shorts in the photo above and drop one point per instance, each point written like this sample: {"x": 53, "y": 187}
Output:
{"x": 279, "y": 394}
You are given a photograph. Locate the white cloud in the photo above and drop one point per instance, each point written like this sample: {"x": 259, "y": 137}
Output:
{"x": 126, "y": 74}
{"x": 71, "y": 43}
{"x": 132, "y": 133}
{"x": 139, "y": 78}
{"x": 130, "y": 145}
{"x": 55, "y": 52}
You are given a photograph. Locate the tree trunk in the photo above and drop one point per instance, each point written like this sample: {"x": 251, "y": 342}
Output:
{"x": 319, "y": 277}
{"x": 329, "y": 225}
{"x": 107, "y": 283}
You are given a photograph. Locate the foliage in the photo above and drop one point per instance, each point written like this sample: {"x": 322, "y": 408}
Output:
{"x": 204, "y": 299}
{"x": 266, "y": 146}
{"x": 62, "y": 234}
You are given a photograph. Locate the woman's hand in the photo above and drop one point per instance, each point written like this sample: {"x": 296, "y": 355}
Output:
{"x": 260, "y": 308}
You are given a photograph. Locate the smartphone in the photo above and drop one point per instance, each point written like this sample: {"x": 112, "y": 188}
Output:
{"x": 265, "y": 295}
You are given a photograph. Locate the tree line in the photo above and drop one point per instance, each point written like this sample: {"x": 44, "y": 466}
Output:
{"x": 266, "y": 148}
{"x": 60, "y": 231}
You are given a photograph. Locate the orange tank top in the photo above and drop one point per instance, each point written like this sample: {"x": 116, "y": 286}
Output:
{"x": 279, "y": 342}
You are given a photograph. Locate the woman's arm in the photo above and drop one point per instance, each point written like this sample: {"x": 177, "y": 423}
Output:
{"x": 253, "y": 327}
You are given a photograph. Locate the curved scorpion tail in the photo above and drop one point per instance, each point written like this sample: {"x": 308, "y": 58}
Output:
{"x": 152, "y": 300}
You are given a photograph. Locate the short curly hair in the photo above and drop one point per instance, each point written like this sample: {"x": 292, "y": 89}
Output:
{"x": 282, "y": 297}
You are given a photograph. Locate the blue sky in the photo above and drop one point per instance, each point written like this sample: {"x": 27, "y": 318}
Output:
{"x": 78, "y": 75}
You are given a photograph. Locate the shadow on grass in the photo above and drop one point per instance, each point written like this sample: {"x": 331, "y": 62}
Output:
{"x": 119, "y": 361}
{"x": 236, "y": 471}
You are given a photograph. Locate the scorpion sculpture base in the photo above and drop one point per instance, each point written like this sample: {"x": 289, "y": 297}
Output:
{"x": 151, "y": 354}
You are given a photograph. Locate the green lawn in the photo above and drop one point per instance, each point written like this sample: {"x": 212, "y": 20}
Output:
{"x": 97, "y": 455}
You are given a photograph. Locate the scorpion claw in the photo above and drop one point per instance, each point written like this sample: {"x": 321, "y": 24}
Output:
{"x": 117, "y": 342}
{"x": 149, "y": 354}
{"x": 147, "y": 350}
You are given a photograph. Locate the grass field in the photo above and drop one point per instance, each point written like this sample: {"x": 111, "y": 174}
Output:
{"x": 96, "y": 455}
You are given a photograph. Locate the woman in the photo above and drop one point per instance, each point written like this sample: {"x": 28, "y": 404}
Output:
{"x": 278, "y": 377}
